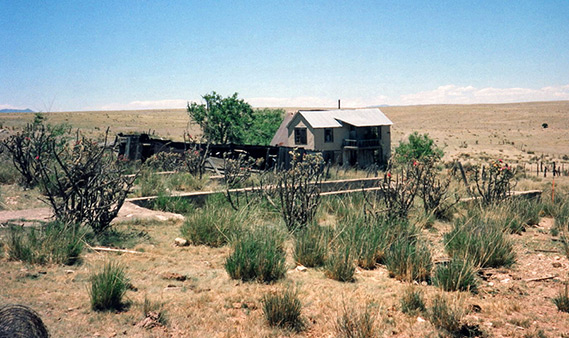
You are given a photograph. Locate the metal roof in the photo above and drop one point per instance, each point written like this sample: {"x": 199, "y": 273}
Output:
{"x": 355, "y": 117}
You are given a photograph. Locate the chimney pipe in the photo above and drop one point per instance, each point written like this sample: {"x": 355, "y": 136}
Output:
{"x": 339, "y": 104}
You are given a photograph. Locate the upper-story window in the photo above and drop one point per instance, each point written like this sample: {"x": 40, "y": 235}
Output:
{"x": 299, "y": 136}
{"x": 328, "y": 135}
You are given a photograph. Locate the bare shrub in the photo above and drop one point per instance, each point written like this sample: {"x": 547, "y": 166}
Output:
{"x": 235, "y": 172}
{"x": 165, "y": 161}
{"x": 194, "y": 159}
{"x": 298, "y": 189}
{"x": 85, "y": 184}
{"x": 398, "y": 191}
{"x": 492, "y": 183}
{"x": 433, "y": 190}
{"x": 30, "y": 151}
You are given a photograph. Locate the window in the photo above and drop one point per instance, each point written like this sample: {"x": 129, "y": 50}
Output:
{"x": 299, "y": 136}
{"x": 328, "y": 135}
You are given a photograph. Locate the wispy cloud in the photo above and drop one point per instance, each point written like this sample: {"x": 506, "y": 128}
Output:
{"x": 468, "y": 95}
{"x": 448, "y": 94}
{"x": 138, "y": 105}
{"x": 310, "y": 101}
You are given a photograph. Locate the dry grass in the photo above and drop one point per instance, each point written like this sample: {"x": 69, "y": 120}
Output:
{"x": 211, "y": 304}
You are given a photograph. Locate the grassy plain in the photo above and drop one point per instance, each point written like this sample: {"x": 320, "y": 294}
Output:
{"x": 511, "y": 302}
{"x": 512, "y": 130}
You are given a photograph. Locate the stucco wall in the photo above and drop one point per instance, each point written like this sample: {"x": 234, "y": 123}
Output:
{"x": 386, "y": 142}
{"x": 339, "y": 135}
{"x": 299, "y": 122}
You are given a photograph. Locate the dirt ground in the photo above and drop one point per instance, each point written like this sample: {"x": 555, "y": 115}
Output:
{"x": 514, "y": 302}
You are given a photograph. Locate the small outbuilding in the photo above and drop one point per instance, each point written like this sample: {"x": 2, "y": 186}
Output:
{"x": 346, "y": 136}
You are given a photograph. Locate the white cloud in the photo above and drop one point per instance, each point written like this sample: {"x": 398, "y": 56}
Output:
{"x": 139, "y": 105}
{"x": 310, "y": 101}
{"x": 448, "y": 94}
{"x": 467, "y": 95}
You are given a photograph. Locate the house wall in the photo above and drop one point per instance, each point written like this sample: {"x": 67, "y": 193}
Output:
{"x": 339, "y": 135}
{"x": 386, "y": 142}
{"x": 299, "y": 122}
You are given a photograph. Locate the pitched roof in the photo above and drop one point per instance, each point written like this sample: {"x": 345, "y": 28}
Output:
{"x": 355, "y": 117}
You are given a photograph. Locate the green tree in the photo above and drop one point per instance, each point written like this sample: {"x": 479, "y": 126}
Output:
{"x": 223, "y": 120}
{"x": 417, "y": 148}
{"x": 266, "y": 122}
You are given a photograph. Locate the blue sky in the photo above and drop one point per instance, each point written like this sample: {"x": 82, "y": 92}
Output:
{"x": 105, "y": 55}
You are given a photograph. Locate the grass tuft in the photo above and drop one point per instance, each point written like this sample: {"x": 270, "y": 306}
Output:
{"x": 562, "y": 300}
{"x": 52, "y": 243}
{"x": 357, "y": 323}
{"x": 283, "y": 310}
{"x": 258, "y": 255}
{"x": 456, "y": 275}
{"x": 340, "y": 264}
{"x": 108, "y": 288}
{"x": 446, "y": 317}
{"x": 408, "y": 259}
{"x": 412, "y": 302}
{"x": 480, "y": 241}
{"x": 311, "y": 245}
{"x": 212, "y": 226}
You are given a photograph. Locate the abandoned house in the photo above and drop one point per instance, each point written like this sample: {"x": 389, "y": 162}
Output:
{"x": 345, "y": 136}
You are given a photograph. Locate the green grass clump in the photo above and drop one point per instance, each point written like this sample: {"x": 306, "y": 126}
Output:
{"x": 480, "y": 241}
{"x": 52, "y": 243}
{"x": 447, "y": 317}
{"x": 340, "y": 264}
{"x": 366, "y": 238}
{"x": 409, "y": 259}
{"x": 174, "y": 204}
{"x": 311, "y": 245}
{"x": 257, "y": 255}
{"x": 371, "y": 237}
{"x": 108, "y": 288}
{"x": 562, "y": 300}
{"x": 412, "y": 302}
{"x": 456, "y": 275}
{"x": 212, "y": 226}
{"x": 355, "y": 323}
{"x": 283, "y": 310}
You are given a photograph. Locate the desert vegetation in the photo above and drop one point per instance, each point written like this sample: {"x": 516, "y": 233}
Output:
{"x": 426, "y": 252}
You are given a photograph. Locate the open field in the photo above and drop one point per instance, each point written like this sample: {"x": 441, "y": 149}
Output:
{"x": 192, "y": 288}
{"x": 513, "y": 131}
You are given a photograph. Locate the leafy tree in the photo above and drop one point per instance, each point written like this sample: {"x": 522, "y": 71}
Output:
{"x": 417, "y": 148}
{"x": 232, "y": 120}
{"x": 265, "y": 124}
{"x": 223, "y": 120}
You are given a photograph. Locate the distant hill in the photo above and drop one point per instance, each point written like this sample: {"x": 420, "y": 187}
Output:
{"x": 16, "y": 111}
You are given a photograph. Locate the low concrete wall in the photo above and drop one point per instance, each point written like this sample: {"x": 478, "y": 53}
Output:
{"x": 326, "y": 187}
